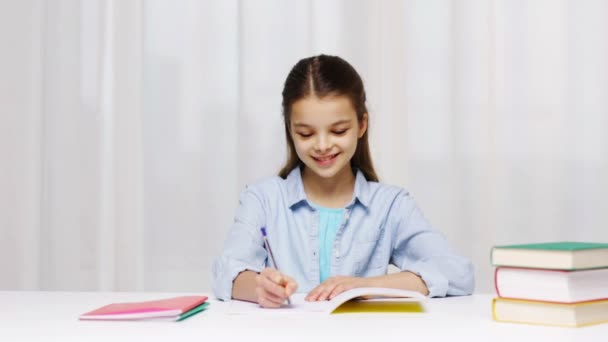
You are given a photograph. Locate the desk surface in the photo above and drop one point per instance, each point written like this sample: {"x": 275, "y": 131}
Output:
{"x": 52, "y": 316}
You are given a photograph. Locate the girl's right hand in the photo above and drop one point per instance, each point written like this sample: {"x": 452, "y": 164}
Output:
{"x": 273, "y": 288}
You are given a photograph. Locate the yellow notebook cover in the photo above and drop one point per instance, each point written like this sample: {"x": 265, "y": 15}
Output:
{"x": 374, "y": 299}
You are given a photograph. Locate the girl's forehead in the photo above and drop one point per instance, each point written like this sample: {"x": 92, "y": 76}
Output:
{"x": 314, "y": 110}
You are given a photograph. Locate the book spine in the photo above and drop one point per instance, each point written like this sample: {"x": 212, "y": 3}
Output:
{"x": 496, "y": 281}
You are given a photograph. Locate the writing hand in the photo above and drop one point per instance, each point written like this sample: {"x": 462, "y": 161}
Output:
{"x": 273, "y": 288}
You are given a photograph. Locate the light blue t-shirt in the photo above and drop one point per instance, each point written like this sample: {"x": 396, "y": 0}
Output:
{"x": 329, "y": 222}
{"x": 381, "y": 225}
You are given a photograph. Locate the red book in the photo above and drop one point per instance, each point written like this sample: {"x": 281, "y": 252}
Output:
{"x": 164, "y": 308}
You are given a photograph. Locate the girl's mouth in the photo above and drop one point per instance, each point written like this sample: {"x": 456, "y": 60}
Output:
{"x": 326, "y": 160}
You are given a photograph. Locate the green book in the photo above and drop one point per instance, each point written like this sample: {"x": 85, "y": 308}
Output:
{"x": 552, "y": 255}
{"x": 192, "y": 312}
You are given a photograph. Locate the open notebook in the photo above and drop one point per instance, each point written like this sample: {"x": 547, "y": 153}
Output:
{"x": 363, "y": 299}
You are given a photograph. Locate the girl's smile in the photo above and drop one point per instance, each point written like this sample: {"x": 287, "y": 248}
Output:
{"x": 326, "y": 161}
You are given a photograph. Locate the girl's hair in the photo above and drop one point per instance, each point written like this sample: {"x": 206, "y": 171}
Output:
{"x": 323, "y": 76}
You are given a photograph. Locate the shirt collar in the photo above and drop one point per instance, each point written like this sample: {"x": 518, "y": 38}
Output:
{"x": 297, "y": 194}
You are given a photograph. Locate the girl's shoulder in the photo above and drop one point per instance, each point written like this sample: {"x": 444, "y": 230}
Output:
{"x": 396, "y": 198}
{"x": 385, "y": 189}
{"x": 265, "y": 183}
{"x": 274, "y": 191}
{"x": 379, "y": 194}
{"x": 267, "y": 187}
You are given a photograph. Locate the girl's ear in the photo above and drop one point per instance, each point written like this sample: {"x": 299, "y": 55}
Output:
{"x": 362, "y": 125}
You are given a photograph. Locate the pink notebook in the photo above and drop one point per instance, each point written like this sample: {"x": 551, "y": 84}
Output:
{"x": 164, "y": 308}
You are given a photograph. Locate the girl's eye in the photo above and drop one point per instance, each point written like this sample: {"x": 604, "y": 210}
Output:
{"x": 304, "y": 135}
{"x": 340, "y": 132}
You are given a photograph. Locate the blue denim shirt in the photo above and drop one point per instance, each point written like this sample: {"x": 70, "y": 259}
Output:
{"x": 381, "y": 225}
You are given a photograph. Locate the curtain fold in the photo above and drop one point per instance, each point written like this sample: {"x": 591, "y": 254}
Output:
{"x": 128, "y": 128}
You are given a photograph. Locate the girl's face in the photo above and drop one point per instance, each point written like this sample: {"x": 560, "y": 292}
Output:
{"x": 325, "y": 133}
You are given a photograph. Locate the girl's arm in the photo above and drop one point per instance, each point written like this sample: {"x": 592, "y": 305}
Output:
{"x": 401, "y": 280}
{"x": 240, "y": 272}
{"x": 243, "y": 287}
{"x": 424, "y": 251}
{"x": 336, "y": 285}
{"x": 243, "y": 250}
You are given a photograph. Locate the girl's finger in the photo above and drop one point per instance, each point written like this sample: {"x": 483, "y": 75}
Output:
{"x": 267, "y": 299}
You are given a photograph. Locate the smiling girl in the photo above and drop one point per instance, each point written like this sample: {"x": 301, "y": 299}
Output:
{"x": 331, "y": 224}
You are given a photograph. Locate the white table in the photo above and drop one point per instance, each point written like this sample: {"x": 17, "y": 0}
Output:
{"x": 52, "y": 316}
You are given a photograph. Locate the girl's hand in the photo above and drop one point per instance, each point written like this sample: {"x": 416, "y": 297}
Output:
{"x": 273, "y": 288}
{"x": 334, "y": 286}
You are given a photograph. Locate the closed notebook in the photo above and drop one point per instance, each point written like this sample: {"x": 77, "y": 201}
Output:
{"x": 551, "y": 285}
{"x": 169, "y": 308}
{"x": 555, "y": 314}
{"x": 552, "y": 255}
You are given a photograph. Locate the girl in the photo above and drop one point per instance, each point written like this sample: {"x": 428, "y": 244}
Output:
{"x": 331, "y": 224}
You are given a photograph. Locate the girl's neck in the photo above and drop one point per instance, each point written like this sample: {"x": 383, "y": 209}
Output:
{"x": 335, "y": 192}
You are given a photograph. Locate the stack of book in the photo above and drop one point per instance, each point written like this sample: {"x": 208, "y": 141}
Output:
{"x": 168, "y": 309}
{"x": 558, "y": 283}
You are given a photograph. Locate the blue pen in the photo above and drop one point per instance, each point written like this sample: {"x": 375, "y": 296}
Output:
{"x": 267, "y": 244}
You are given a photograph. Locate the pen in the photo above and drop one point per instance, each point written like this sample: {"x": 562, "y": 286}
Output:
{"x": 274, "y": 262}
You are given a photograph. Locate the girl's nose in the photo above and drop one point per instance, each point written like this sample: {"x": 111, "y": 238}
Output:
{"x": 323, "y": 144}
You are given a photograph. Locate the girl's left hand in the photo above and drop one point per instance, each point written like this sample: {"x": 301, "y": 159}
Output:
{"x": 334, "y": 286}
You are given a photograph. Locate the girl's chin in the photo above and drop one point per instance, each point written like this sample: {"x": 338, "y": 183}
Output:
{"x": 325, "y": 172}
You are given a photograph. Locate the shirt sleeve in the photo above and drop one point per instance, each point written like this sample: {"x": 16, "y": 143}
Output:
{"x": 244, "y": 246}
{"x": 420, "y": 249}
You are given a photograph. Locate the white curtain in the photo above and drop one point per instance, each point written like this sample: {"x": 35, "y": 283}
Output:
{"x": 128, "y": 128}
